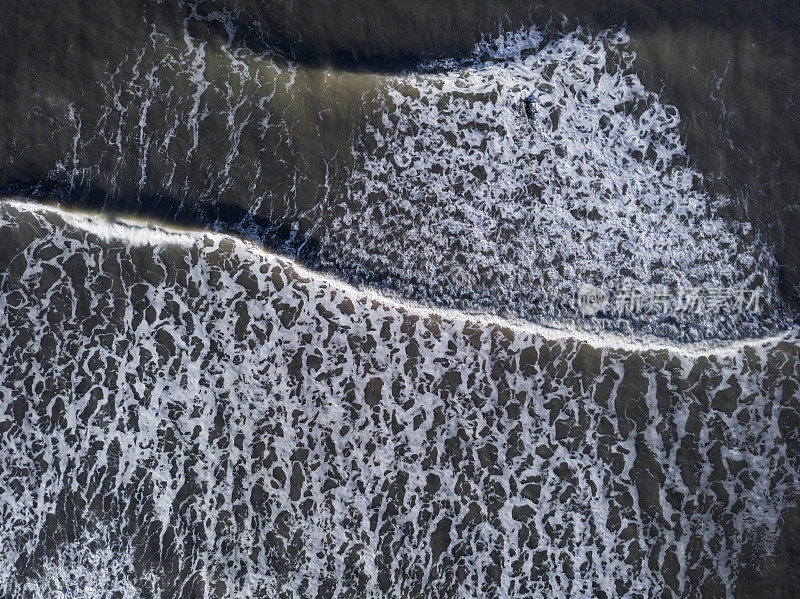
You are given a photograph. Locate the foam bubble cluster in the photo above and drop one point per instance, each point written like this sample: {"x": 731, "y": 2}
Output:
{"x": 502, "y": 182}
{"x": 189, "y": 122}
{"x": 508, "y": 180}
{"x": 242, "y": 427}
{"x": 93, "y": 567}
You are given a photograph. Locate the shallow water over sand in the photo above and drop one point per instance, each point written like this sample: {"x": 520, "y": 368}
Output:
{"x": 316, "y": 334}
{"x": 236, "y": 425}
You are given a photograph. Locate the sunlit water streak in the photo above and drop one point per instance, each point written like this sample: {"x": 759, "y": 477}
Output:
{"x": 437, "y": 184}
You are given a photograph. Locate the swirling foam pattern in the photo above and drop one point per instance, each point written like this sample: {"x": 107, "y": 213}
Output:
{"x": 226, "y": 424}
{"x": 437, "y": 184}
{"x": 462, "y": 193}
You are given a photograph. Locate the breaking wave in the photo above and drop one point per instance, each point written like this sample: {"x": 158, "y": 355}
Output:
{"x": 508, "y": 180}
{"x": 451, "y": 189}
{"x": 239, "y": 426}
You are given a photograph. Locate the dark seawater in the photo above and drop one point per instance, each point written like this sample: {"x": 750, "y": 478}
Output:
{"x": 288, "y": 299}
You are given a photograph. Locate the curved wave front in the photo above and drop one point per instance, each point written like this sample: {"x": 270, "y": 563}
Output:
{"x": 229, "y": 424}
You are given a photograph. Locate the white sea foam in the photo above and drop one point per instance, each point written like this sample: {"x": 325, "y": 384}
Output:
{"x": 93, "y": 567}
{"x": 456, "y": 193}
{"x": 175, "y": 110}
{"x": 253, "y": 429}
{"x": 185, "y": 414}
{"x": 143, "y": 232}
{"x": 460, "y": 191}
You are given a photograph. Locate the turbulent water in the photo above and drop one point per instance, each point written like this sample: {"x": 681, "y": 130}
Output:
{"x": 289, "y": 309}
{"x": 240, "y": 426}
{"x": 447, "y": 190}
{"x": 466, "y": 193}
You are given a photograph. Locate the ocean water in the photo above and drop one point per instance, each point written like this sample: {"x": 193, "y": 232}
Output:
{"x": 289, "y": 300}
{"x": 233, "y": 424}
{"x": 465, "y": 193}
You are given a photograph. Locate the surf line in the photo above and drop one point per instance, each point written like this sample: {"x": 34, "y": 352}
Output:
{"x": 141, "y": 232}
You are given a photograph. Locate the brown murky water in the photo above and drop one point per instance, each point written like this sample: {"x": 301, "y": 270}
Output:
{"x": 186, "y": 414}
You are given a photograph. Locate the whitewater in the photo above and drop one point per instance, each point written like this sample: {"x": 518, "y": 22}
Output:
{"x": 277, "y": 329}
{"x": 438, "y": 184}
{"x": 213, "y": 420}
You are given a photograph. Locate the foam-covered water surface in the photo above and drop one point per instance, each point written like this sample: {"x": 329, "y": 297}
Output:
{"x": 541, "y": 163}
{"x": 227, "y": 424}
{"x": 184, "y": 116}
{"x": 503, "y": 181}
